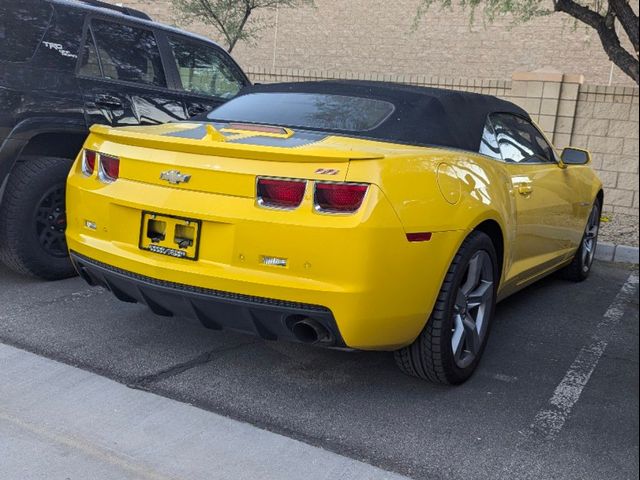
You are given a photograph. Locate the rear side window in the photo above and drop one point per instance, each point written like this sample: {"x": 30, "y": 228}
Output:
{"x": 519, "y": 141}
{"x": 22, "y": 26}
{"x": 204, "y": 70}
{"x": 122, "y": 52}
{"x": 489, "y": 143}
{"x": 306, "y": 110}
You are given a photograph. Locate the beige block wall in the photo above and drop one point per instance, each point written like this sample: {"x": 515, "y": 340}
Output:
{"x": 377, "y": 36}
{"x": 607, "y": 122}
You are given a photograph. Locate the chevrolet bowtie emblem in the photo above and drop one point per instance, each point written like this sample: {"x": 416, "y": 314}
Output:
{"x": 174, "y": 177}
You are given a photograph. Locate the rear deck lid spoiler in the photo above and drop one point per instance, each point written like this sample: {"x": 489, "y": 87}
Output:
{"x": 206, "y": 139}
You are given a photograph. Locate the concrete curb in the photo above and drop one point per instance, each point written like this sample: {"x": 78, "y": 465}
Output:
{"x": 77, "y": 424}
{"x": 609, "y": 252}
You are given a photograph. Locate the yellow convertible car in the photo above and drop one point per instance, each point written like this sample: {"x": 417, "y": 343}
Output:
{"x": 357, "y": 215}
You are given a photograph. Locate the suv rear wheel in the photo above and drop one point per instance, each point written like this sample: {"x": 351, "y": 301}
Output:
{"x": 33, "y": 219}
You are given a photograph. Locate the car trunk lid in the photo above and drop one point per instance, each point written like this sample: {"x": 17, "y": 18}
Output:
{"x": 224, "y": 159}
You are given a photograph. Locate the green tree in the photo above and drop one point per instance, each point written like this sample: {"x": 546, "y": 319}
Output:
{"x": 232, "y": 18}
{"x": 600, "y": 15}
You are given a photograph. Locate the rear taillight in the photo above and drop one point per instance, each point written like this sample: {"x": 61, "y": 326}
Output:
{"x": 339, "y": 197}
{"x": 280, "y": 193}
{"x": 88, "y": 162}
{"x": 109, "y": 168}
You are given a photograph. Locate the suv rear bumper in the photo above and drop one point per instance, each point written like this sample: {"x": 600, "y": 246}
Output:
{"x": 267, "y": 318}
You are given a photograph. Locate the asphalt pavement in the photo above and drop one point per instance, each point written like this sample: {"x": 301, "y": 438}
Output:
{"x": 556, "y": 395}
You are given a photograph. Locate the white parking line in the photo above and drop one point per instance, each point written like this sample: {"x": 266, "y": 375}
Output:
{"x": 550, "y": 420}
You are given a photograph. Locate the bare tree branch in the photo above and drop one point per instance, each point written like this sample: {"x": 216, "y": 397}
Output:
{"x": 607, "y": 33}
{"x": 628, "y": 19}
{"x": 232, "y": 18}
{"x": 216, "y": 18}
{"x": 247, "y": 12}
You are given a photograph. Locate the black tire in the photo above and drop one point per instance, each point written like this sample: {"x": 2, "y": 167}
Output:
{"x": 33, "y": 203}
{"x": 431, "y": 355}
{"x": 580, "y": 267}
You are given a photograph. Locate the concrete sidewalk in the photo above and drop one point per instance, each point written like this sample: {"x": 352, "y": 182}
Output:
{"x": 60, "y": 422}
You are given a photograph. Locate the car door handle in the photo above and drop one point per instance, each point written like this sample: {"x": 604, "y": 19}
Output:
{"x": 525, "y": 189}
{"x": 107, "y": 101}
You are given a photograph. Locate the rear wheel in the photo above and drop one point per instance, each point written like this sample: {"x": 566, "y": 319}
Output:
{"x": 580, "y": 267}
{"x": 33, "y": 219}
{"x": 450, "y": 347}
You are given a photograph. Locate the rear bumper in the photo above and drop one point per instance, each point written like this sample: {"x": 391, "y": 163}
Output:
{"x": 379, "y": 288}
{"x": 266, "y": 318}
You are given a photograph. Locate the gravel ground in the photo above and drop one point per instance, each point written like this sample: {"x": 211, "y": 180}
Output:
{"x": 619, "y": 229}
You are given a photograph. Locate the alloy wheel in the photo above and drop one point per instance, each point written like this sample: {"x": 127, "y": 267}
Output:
{"x": 472, "y": 308}
{"x": 590, "y": 239}
{"x": 51, "y": 222}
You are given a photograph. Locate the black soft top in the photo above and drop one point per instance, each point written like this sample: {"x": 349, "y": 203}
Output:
{"x": 422, "y": 115}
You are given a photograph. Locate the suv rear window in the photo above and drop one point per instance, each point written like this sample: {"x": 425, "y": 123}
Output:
{"x": 122, "y": 52}
{"x": 22, "y": 26}
{"x": 204, "y": 70}
{"x": 306, "y": 110}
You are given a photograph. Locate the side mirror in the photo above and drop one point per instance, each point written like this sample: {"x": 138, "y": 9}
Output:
{"x": 575, "y": 156}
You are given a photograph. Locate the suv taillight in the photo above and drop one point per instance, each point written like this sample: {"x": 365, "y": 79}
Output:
{"x": 339, "y": 197}
{"x": 109, "y": 168}
{"x": 280, "y": 193}
{"x": 88, "y": 162}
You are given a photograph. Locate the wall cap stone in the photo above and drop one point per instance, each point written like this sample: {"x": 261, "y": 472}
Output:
{"x": 547, "y": 75}
{"x": 573, "y": 78}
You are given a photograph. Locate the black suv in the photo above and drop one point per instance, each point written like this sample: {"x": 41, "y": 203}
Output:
{"x": 65, "y": 65}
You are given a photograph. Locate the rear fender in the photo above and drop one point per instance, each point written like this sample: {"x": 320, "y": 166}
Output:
{"x": 446, "y": 192}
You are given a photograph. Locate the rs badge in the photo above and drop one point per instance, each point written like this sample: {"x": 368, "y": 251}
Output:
{"x": 327, "y": 171}
{"x": 174, "y": 177}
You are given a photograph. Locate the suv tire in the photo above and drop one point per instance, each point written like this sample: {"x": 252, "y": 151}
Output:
{"x": 33, "y": 221}
{"x": 458, "y": 313}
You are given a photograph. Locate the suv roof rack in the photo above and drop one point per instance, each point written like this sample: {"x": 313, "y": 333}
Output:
{"x": 126, "y": 10}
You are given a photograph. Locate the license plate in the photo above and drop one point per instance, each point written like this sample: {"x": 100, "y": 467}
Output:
{"x": 176, "y": 237}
